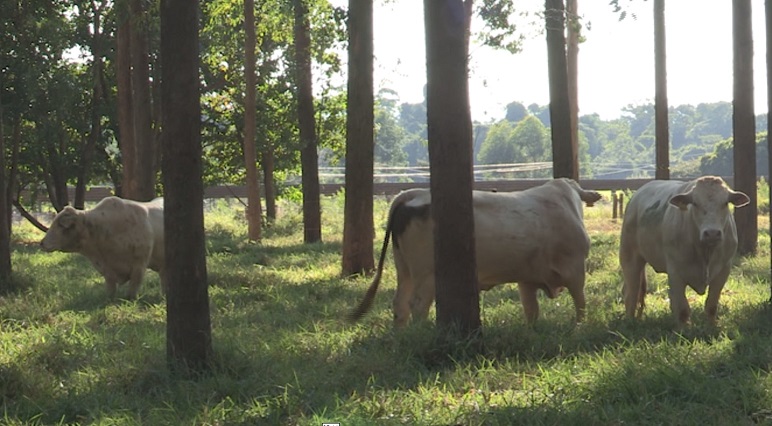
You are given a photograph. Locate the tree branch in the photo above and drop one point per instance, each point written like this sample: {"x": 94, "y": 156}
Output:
{"x": 27, "y": 215}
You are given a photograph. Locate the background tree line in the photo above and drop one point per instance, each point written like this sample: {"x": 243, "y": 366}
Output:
{"x": 618, "y": 148}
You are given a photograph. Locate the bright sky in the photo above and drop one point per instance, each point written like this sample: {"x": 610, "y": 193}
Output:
{"x": 616, "y": 62}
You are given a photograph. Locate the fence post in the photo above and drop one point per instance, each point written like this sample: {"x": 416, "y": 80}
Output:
{"x": 613, "y": 203}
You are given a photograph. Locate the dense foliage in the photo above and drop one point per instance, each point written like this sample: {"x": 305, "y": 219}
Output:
{"x": 49, "y": 51}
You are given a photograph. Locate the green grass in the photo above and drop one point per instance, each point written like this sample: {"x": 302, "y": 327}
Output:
{"x": 284, "y": 355}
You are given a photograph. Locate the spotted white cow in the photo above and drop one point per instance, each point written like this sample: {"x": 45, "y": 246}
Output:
{"x": 686, "y": 230}
{"x": 535, "y": 238}
{"x": 121, "y": 238}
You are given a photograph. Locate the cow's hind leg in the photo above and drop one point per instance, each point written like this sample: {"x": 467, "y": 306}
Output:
{"x": 423, "y": 297}
{"x": 633, "y": 268}
{"x": 529, "y": 301}
{"x": 642, "y": 294}
{"x": 404, "y": 293}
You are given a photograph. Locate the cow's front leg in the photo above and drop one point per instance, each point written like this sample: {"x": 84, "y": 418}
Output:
{"x": 679, "y": 306}
{"x": 715, "y": 287}
{"x": 135, "y": 280}
{"x": 529, "y": 301}
{"x": 110, "y": 287}
{"x": 577, "y": 294}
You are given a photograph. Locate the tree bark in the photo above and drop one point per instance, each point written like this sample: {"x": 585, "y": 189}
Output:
{"x": 5, "y": 214}
{"x": 564, "y": 156}
{"x": 269, "y": 182}
{"x": 309, "y": 158}
{"x": 358, "y": 225}
{"x": 450, "y": 154}
{"x": 744, "y": 126}
{"x": 12, "y": 178}
{"x": 189, "y": 331}
{"x": 768, "y": 33}
{"x": 125, "y": 109}
{"x": 87, "y": 152}
{"x": 254, "y": 209}
{"x": 661, "y": 124}
{"x": 142, "y": 108}
{"x": 572, "y": 64}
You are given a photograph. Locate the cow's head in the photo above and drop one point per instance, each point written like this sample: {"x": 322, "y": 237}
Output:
{"x": 64, "y": 233}
{"x": 708, "y": 204}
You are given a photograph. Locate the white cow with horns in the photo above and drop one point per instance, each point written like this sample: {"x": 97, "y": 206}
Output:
{"x": 535, "y": 238}
{"x": 686, "y": 230}
{"x": 121, "y": 238}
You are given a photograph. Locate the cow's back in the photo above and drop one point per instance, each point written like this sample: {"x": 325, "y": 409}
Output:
{"x": 119, "y": 232}
{"x": 529, "y": 235}
{"x": 649, "y": 217}
{"x": 519, "y": 236}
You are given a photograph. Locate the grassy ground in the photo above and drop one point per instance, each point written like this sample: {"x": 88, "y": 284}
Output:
{"x": 285, "y": 356}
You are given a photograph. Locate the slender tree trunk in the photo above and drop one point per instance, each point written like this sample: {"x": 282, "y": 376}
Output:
{"x": 87, "y": 153}
{"x": 358, "y": 210}
{"x": 661, "y": 124}
{"x": 5, "y": 214}
{"x": 56, "y": 182}
{"x": 744, "y": 124}
{"x": 155, "y": 96}
{"x": 269, "y": 182}
{"x": 188, "y": 330}
{"x": 309, "y": 158}
{"x": 450, "y": 155}
{"x": 125, "y": 108}
{"x": 564, "y": 156}
{"x": 572, "y": 63}
{"x": 254, "y": 210}
{"x": 142, "y": 108}
{"x": 13, "y": 168}
{"x": 768, "y": 33}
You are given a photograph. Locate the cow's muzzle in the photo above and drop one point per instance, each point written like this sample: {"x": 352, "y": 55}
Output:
{"x": 711, "y": 237}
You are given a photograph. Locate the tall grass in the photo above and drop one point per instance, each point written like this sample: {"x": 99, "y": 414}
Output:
{"x": 283, "y": 354}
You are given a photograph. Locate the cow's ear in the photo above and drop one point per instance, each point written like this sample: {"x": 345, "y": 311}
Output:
{"x": 67, "y": 217}
{"x": 738, "y": 198}
{"x": 681, "y": 201}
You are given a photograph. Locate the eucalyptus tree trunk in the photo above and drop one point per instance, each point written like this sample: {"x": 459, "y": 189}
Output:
{"x": 188, "y": 326}
{"x": 269, "y": 182}
{"x": 450, "y": 157}
{"x": 124, "y": 99}
{"x": 309, "y": 158}
{"x": 5, "y": 214}
{"x": 87, "y": 152}
{"x": 360, "y": 139}
{"x": 661, "y": 125}
{"x": 564, "y": 154}
{"x": 254, "y": 209}
{"x": 744, "y": 125}
{"x": 768, "y": 33}
{"x": 573, "y": 30}
{"x": 141, "y": 104}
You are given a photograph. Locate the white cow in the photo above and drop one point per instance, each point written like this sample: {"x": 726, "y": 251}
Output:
{"x": 686, "y": 230}
{"x": 534, "y": 237}
{"x": 121, "y": 238}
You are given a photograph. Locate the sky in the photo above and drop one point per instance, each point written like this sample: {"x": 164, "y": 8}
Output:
{"x": 616, "y": 62}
